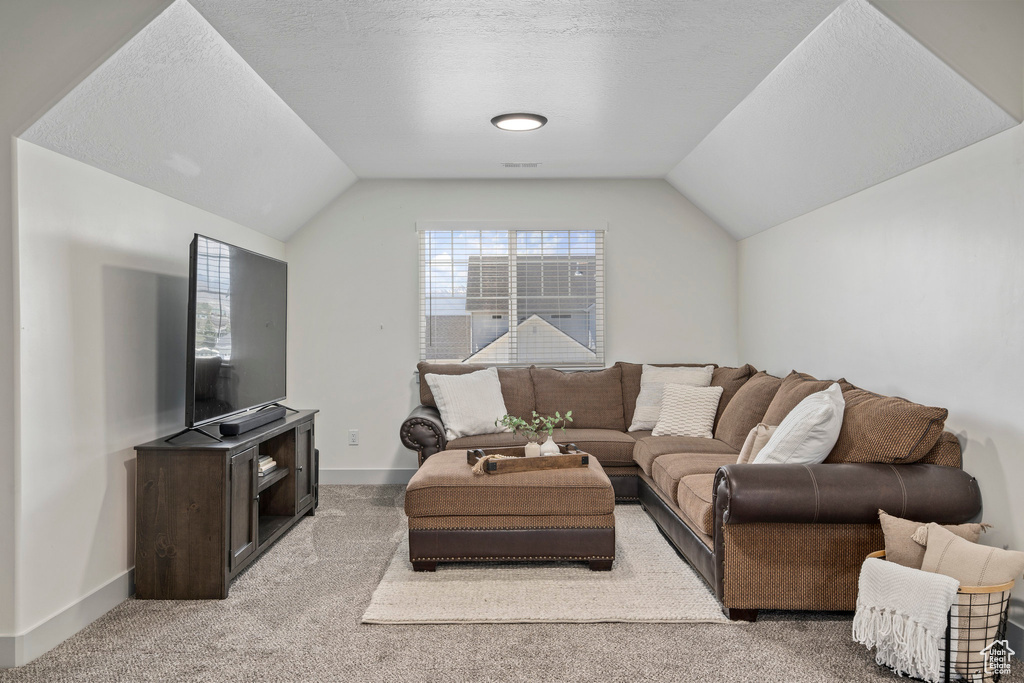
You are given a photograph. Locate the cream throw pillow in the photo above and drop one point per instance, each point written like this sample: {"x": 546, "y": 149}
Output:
{"x": 969, "y": 563}
{"x": 652, "y": 385}
{"x": 756, "y": 440}
{"x": 808, "y": 433}
{"x": 688, "y": 411}
{"x": 972, "y": 565}
{"x": 470, "y": 403}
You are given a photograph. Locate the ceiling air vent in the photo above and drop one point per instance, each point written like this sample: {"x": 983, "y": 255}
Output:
{"x": 520, "y": 164}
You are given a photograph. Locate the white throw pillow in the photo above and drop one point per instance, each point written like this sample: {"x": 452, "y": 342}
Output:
{"x": 807, "y": 435}
{"x": 688, "y": 411}
{"x": 652, "y": 385}
{"x": 470, "y": 403}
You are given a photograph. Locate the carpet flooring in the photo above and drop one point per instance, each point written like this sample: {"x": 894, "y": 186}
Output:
{"x": 294, "y": 615}
{"x": 650, "y": 583}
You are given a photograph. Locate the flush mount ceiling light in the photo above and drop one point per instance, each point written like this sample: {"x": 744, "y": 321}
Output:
{"x": 519, "y": 121}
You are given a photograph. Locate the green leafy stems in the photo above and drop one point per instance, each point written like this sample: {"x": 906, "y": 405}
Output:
{"x": 532, "y": 428}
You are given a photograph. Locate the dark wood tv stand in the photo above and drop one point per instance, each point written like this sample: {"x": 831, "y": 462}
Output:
{"x": 203, "y": 513}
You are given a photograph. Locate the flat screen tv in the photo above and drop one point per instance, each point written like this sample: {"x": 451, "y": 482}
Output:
{"x": 237, "y": 333}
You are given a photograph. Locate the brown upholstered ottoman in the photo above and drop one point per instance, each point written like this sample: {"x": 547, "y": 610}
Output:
{"x": 458, "y": 516}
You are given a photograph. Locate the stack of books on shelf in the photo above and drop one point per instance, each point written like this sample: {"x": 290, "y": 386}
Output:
{"x": 267, "y": 465}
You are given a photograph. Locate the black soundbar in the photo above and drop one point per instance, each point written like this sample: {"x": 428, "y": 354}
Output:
{"x": 249, "y": 422}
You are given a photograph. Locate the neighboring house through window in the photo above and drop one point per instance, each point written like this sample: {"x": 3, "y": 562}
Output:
{"x": 511, "y": 295}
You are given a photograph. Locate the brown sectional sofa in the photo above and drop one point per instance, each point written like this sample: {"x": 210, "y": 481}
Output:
{"x": 762, "y": 536}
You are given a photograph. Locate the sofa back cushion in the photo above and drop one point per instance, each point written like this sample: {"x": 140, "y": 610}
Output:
{"x": 746, "y": 409}
{"x": 730, "y": 379}
{"x": 946, "y": 451}
{"x": 516, "y": 385}
{"x": 631, "y": 375}
{"x": 796, "y": 387}
{"x": 885, "y": 429}
{"x": 594, "y": 396}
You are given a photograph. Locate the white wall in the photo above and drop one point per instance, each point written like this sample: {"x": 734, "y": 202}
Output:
{"x": 353, "y": 327}
{"x": 46, "y": 46}
{"x": 913, "y": 287}
{"x": 104, "y": 279}
{"x": 981, "y": 39}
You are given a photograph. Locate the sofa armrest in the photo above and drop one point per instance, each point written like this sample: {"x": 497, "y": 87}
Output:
{"x": 847, "y": 493}
{"x": 423, "y": 432}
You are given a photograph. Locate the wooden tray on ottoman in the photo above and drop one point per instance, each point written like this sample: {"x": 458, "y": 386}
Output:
{"x": 570, "y": 457}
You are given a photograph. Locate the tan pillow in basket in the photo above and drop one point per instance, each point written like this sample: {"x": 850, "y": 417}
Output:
{"x": 969, "y": 563}
{"x": 900, "y": 546}
{"x": 755, "y": 441}
{"x": 978, "y": 615}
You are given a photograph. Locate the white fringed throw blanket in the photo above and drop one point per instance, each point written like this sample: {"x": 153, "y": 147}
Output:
{"x": 902, "y": 612}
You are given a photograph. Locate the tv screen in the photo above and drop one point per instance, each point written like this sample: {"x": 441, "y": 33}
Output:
{"x": 238, "y": 310}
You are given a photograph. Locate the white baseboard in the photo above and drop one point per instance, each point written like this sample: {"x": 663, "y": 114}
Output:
{"x": 22, "y": 649}
{"x": 361, "y": 476}
{"x": 8, "y": 652}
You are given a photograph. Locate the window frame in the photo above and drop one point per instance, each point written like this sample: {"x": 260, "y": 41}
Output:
{"x": 513, "y": 227}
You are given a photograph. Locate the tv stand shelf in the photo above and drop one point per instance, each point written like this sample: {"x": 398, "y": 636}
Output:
{"x": 271, "y": 479}
{"x": 203, "y": 513}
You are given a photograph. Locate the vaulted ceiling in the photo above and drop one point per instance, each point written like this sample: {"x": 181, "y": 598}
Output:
{"x": 262, "y": 111}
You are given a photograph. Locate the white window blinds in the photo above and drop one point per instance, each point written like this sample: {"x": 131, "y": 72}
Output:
{"x": 512, "y": 297}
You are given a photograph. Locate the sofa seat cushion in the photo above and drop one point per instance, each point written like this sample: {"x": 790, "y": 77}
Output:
{"x": 649, "y": 449}
{"x": 610, "y": 447}
{"x": 594, "y": 396}
{"x": 672, "y": 468}
{"x": 694, "y": 497}
{"x": 607, "y": 445}
{"x": 746, "y": 409}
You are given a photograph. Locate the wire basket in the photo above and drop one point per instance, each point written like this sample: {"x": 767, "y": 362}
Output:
{"x": 974, "y": 626}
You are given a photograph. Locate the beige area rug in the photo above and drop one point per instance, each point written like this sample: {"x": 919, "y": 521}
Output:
{"x": 649, "y": 583}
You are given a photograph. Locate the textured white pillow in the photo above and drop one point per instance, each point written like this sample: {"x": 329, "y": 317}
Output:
{"x": 470, "y": 403}
{"x": 807, "y": 435}
{"x": 652, "y": 384}
{"x": 688, "y": 411}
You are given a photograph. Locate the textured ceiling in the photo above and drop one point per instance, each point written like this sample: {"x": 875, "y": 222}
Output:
{"x": 406, "y": 88}
{"x": 757, "y": 111}
{"x": 858, "y": 102}
{"x": 177, "y": 110}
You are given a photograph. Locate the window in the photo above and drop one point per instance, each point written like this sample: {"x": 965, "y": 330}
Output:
{"x": 512, "y": 296}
